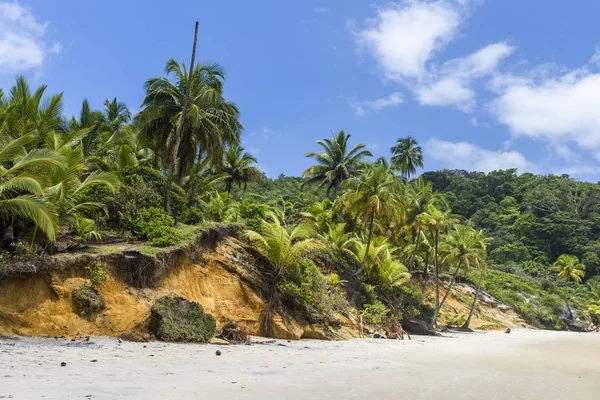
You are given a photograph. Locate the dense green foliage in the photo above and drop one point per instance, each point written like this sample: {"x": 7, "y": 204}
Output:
{"x": 88, "y": 302}
{"x": 175, "y": 319}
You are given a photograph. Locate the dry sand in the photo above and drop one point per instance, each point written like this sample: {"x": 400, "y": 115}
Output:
{"x": 492, "y": 365}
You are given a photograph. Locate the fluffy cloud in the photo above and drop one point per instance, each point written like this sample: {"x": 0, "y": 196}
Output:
{"x": 404, "y": 39}
{"x": 404, "y": 36}
{"x": 559, "y": 109}
{"x": 452, "y": 85}
{"x": 22, "y": 44}
{"x": 363, "y": 107}
{"x": 468, "y": 156}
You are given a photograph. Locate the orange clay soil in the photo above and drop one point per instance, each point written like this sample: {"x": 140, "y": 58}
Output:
{"x": 222, "y": 281}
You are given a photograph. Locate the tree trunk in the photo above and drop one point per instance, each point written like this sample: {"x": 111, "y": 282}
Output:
{"x": 437, "y": 279}
{"x": 426, "y": 278}
{"x": 411, "y": 263}
{"x": 173, "y": 160}
{"x": 466, "y": 324}
{"x": 364, "y": 261}
{"x": 439, "y": 307}
{"x": 568, "y": 308}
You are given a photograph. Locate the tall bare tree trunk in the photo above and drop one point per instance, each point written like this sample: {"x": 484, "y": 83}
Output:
{"x": 466, "y": 324}
{"x": 364, "y": 261}
{"x": 186, "y": 98}
{"x": 411, "y": 263}
{"x": 439, "y": 307}
{"x": 437, "y": 279}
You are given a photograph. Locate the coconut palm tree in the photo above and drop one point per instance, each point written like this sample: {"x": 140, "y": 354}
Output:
{"x": 419, "y": 196}
{"x": 320, "y": 216}
{"x": 481, "y": 242}
{"x": 23, "y": 175}
{"x": 335, "y": 163}
{"x": 407, "y": 156}
{"x": 201, "y": 182}
{"x": 569, "y": 268}
{"x": 282, "y": 246}
{"x": 237, "y": 167}
{"x": 32, "y": 113}
{"x": 209, "y": 126}
{"x": 372, "y": 195}
{"x": 437, "y": 222}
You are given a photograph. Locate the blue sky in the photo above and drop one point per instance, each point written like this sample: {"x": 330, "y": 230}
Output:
{"x": 481, "y": 84}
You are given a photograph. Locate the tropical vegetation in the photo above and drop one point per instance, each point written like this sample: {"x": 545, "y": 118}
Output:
{"x": 350, "y": 231}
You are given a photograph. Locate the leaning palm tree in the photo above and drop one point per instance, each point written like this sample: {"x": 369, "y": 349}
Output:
{"x": 462, "y": 246}
{"x": 237, "y": 167}
{"x": 407, "y": 156}
{"x": 569, "y": 268}
{"x": 481, "y": 242}
{"x": 336, "y": 162}
{"x": 437, "y": 222}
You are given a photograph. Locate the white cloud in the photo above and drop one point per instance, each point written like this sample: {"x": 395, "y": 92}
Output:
{"x": 452, "y": 86}
{"x": 403, "y": 37}
{"x": 363, "y": 107}
{"x": 560, "y": 109}
{"x": 474, "y": 122}
{"x": 470, "y": 157}
{"x": 321, "y": 10}
{"x": 22, "y": 44}
{"x": 447, "y": 92}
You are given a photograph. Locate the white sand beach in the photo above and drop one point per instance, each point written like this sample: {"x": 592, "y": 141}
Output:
{"x": 525, "y": 364}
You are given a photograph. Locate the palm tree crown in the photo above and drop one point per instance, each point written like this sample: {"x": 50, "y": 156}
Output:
{"x": 407, "y": 156}
{"x": 335, "y": 163}
{"x": 237, "y": 165}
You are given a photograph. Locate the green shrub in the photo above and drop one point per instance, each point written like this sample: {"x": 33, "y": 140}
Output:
{"x": 306, "y": 289}
{"x": 88, "y": 302}
{"x": 96, "y": 273}
{"x": 192, "y": 216}
{"x": 455, "y": 319}
{"x": 176, "y": 319}
{"x": 155, "y": 225}
{"x": 375, "y": 313}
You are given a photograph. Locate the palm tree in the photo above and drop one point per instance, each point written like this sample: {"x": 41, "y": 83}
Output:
{"x": 209, "y": 125}
{"x": 419, "y": 196}
{"x": 237, "y": 167}
{"x": 436, "y": 222}
{"x": 407, "y": 156}
{"x": 338, "y": 240}
{"x": 335, "y": 163}
{"x": 320, "y": 216}
{"x": 569, "y": 268}
{"x": 23, "y": 176}
{"x": 480, "y": 242}
{"x": 373, "y": 195}
{"x": 31, "y": 113}
{"x": 201, "y": 180}
{"x": 282, "y": 246}
{"x": 65, "y": 187}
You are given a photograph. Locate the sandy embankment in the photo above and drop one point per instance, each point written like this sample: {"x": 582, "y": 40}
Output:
{"x": 522, "y": 365}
